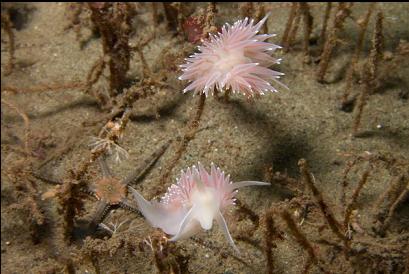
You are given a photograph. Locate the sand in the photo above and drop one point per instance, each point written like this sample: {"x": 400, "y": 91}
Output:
{"x": 243, "y": 137}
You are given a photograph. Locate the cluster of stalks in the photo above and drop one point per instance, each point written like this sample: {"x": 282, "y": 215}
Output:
{"x": 371, "y": 74}
{"x": 377, "y": 235}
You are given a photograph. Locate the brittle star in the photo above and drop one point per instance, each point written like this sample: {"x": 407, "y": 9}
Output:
{"x": 111, "y": 192}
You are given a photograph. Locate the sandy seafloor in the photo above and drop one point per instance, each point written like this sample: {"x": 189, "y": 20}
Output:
{"x": 242, "y": 137}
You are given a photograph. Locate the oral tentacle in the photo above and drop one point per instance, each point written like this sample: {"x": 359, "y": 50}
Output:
{"x": 186, "y": 220}
{"x": 223, "y": 225}
{"x": 247, "y": 183}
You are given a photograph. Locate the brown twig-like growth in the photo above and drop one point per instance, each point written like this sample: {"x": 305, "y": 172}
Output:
{"x": 242, "y": 207}
{"x": 361, "y": 104}
{"x": 387, "y": 202}
{"x": 92, "y": 77}
{"x": 113, "y": 21}
{"x": 379, "y": 252}
{"x": 209, "y": 21}
{"x": 69, "y": 194}
{"x": 326, "y": 211}
{"x": 288, "y": 26}
{"x": 293, "y": 185}
{"x": 26, "y": 124}
{"x": 7, "y": 25}
{"x": 399, "y": 200}
{"x": 344, "y": 183}
{"x": 308, "y": 21}
{"x": 291, "y": 27}
{"x": 352, "y": 204}
{"x": 246, "y": 9}
{"x": 155, "y": 17}
{"x": 300, "y": 238}
{"x": 255, "y": 10}
{"x": 171, "y": 13}
{"x": 363, "y": 24}
{"x": 376, "y": 53}
{"x": 29, "y": 200}
{"x": 146, "y": 71}
{"x": 270, "y": 235}
{"x": 370, "y": 76}
{"x": 44, "y": 87}
{"x": 21, "y": 175}
{"x": 259, "y": 13}
{"x": 343, "y": 11}
{"x": 94, "y": 73}
{"x": 323, "y": 33}
{"x": 74, "y": 12}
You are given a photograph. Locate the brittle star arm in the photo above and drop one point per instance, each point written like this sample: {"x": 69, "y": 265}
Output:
{"x": 126, "y": 204}
{"x": 101, "y": 211}
{"x": 146, "y": 164}
{"x": 103, "y": 208}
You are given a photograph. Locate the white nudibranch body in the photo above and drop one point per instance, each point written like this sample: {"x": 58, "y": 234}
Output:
{"x": 193, "y": 203}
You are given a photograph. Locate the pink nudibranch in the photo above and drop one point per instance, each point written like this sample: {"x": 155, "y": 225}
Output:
{"x": 193, "y": 203}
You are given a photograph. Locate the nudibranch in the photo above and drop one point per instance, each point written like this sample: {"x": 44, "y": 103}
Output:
{"x": 237, "y": 58}
{"x": 193, "y": 203}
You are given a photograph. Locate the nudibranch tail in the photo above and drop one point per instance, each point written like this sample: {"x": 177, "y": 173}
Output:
{"x": 158, "y": 215}
{"x": 144, "y": 206}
